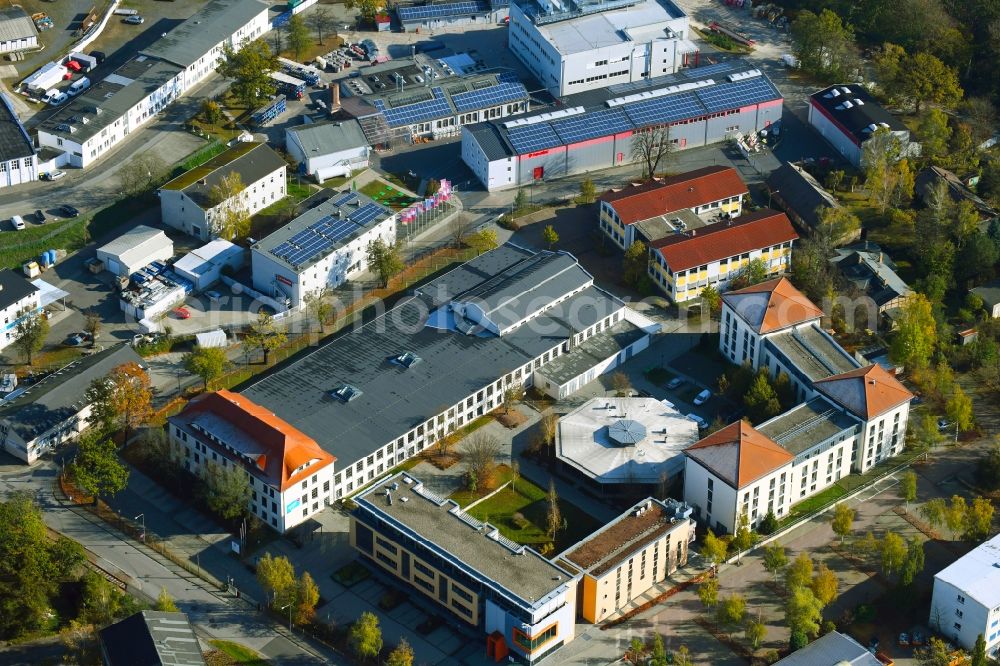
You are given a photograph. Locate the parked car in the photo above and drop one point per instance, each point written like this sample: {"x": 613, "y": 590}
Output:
{"x": 702, "y": 423}
{"x": 40, "y": 216}
{"x": 17, "y": 222}
{"x": 134, "y": 20}
{"x": 77, "y": 339}
{"x": 182, "y": 313}
{"x": 675, "y": 382}
{"x": 702, "y": 397}
{"x": 53, "y": 175}
{"x": 58, "y": 99}
{"x": 68, "y": 211}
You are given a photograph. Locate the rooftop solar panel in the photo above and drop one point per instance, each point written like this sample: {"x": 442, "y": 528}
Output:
{"x": 366, "y": 214}
{"x": 664, "y": 109}
{"x": 591, "y": 125}
{"x": 737, "y": 95}
{"x": 489, "y": 97}
{"x": 442, "y": 10}
{"x": 531, "y": 138}
{"x": 344, "y": 198}
{"x": 415, "y": 113}
{"x": 707, "y": 70}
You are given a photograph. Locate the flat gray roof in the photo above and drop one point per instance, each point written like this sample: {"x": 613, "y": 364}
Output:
{"x": 329, "y": 137}
{"x": 329, "y": 208}
{"x": 597, "y": 347}
{"x": 108, "y": 100}
{"x": 453, "y": 366}
{"x": 518, "y": 569}
{"x": 806, "y": 425}
{"x": 832, "y": 649}
{"x": 196, "y": 36}
{"x": 814, "y": 352}
{"x": 152, "y": 637}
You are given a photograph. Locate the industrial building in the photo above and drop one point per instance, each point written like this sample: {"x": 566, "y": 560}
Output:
{"x": 849, "y": 417}
{"x": 138, "y": 247}
{"x": 594, "y": 130}
{"x": 150, "y": 637}
{"x": 573, "y": 46}
{"x": 90, "y": 125}
{"x": 189, "y": 202}
{"x": 18, "y": 157}
{"x": 966, "y": 599}
{"x": 323, "y": 247}
{"x": 832, "y": 648}
{"x": 328, "y": 149}
{"x": 630, "y": 441}
{"x": 525, "y": 604}
{"x": 451, "y": 13}
{"x": 290, "y": 475}
{"x": 847, "y": 116}
{"x": 663, "y": 206}
{"x": 203, "y": 266}
{"x": 19, "y": 298}
{"x": 35, "y": 419}
{"x": 389, "y": 389}
{"x": 17, "y": 30}
{"x": 621, "y": 561}
{"x": 685, "y": 262}
{"x": 426, "y": 98}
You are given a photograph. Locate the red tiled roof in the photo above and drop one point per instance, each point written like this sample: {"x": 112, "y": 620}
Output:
{"x": 725, "y": 239}
{"x": 786, "y": 305}
{"x": 742, "y": 454}
{"x": 284, "y": 447}
{"x": 686, "y": 190}
{"x": 868, "y": 391}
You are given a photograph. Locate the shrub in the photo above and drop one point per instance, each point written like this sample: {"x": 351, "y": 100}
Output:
{"x": 768, "y": 524}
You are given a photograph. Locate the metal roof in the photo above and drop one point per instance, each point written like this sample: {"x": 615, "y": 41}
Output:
{"x": 152, "y": 638}
{"x": 832, "y": 649}
{"x": 806, "y": 425}
{"x": 317, "y": 139}
{"x": 14, "y": 140}
{"x": 854, "y": 109}
{"x": 977, "y": 573}
{"x": 217, "y": 21}
{"x": 14, "y": 287}
{"x": 396, "y": 399}
{"x": 136, "y": 243}
{"x": 15, "y": 24}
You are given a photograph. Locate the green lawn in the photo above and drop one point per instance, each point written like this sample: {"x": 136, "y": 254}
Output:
{"x": 811, "y": 504}
{"x": 529, "y": 500}
{"x": 465, "y": 497}
{"x": 386, "y": 194}
{"x": 239, "y": 654}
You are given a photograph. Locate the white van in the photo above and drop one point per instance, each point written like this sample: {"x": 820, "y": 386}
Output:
{"x": 50, "y": 95}
{"x": 18, "y": 222}
{"x": 79, "y": 86}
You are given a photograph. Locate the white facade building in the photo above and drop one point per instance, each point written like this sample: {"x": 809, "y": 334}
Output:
{"x": 18, "y": 299}
{"x": 573, "y": 46}
{"x": 849, "y": 419}
{"x": 17, "y": 30}
{"x": 134, "y": 249}
{"x": 290, "y": 475}
{"x": 847, "y": 116}
{"x": 188, "y": 202}
{"x": 203, "y": 266}
{"x": 966, "y": 598}
{"x": 18, "y": 159}
{"x": 330, "y": 149}
{"x": 324, "y": 247}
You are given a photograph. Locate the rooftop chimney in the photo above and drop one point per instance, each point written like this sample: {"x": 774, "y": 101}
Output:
{"x": 334, "y": 98}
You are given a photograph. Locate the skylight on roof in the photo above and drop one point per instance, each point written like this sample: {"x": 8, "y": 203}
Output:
{"x": 346, "y": 392}
{"x": 407, "y": 359}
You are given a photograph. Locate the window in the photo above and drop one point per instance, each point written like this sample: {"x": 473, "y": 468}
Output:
{"x": 532, "y": 643}
{"x": 958, "y": 627}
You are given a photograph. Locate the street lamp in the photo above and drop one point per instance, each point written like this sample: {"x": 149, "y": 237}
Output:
{"x": 142, "y": 517}
{"x": 769, "y": 193}
{"x": 289, "y": 607}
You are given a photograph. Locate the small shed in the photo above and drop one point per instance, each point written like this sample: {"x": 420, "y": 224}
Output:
{"x": 216, "y": 338}
{"x": 203, "y": 266}
{"x": 137, "y": 247}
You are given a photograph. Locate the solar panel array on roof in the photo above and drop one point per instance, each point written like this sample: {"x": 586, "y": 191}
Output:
{"x": 663, "y": 109}
{"x": 488, "y": 97}
{"x": 315, "y": 240}
{"x": 707, "y": 70}
{"x": 508, "y": 77}
{"x": 591, "y": 126}
{"x": 530, "y": 138}
{"x": 736, "y": 95}
{"x": 366, "y": 214}
{"x": 345, "y": 198}
{"x": 415, "y": 113}
{"x": 442, "y": 10}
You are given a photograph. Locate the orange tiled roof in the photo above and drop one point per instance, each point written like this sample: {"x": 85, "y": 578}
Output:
{"x": 739, "y": 454}
{"x": 687, "y": 190}
{"x": 867, "y": 392}
{"x": 725, "y": 239}
{"x": 772, "y": 305}
{"x": 284, "y": 448}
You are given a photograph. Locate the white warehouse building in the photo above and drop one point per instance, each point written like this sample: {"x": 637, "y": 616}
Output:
{"x": 966, "y": 598}
{"x": 573, "y": 46}
{"x": 323, "y": 247}
{"x": 327, "y": 150}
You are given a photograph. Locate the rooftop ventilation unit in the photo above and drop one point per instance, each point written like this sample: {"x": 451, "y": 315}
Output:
{"x": 552, "y": 115}
{"x": 743, "y": 76}
{"x": 653, "y": 94}
{"x": 845, "y": 90}
{"x": 833, "y": 93}
{"x": 859, "y": 102}
{"x": 346, "y": 392}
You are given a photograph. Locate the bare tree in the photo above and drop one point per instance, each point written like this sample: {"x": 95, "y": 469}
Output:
{"x": 458, "y": 229}
{"x": 480, "y": 454}
{"x": 621, "y": 384}
{"x": 652, "y": 147}
{"x": 553, "y": 517}
{"x": 320, "y": 20}
{"x": 513, "y": 395}
{"x": 548, "y": 426}
{"x": 142, "y": 175}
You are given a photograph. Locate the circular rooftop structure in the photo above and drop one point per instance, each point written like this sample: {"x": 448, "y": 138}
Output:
{"x": 626, "y": 432}
{"x": 625, "y": 440}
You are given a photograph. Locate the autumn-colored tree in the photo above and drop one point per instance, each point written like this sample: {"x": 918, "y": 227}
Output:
{"x": 123, "y": 399}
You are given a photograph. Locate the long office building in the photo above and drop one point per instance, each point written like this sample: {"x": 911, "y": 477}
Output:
{"x": 573, "y": 46}
{"x": 525, "y": 604}
{"x": 390, "y": 388}
{"x": 594, "y": 130}
{"x": 92, "y": 124}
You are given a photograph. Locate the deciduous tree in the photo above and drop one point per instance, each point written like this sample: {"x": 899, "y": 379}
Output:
{"x": 621, "y": 384}
{"x": 227, "y": 490}
{"x": 250, "y": 69}
{"x": 550, "y": 236}
{"x": 714, "y": 548}
{"x": 319, "y": 305}
{"x": 306, "y": 598}
{"x": 264, "y": 335}
{"x": 756, "y": 632}
{"x": 96, "y": 469}
{"x": 744, "y": 538}
{"x": 276, "y": 576}
{"x": 30, "y": 332}
{"x": 824, "y": 44}
{"x": 908, "y": 488}
{"x": 979, "y": 652}
{"x": 916, "y": 334}
{"x": 708, "y": 592}
{"x": 480, "y": 453}
{"x": 92, "y": 325}
{"x": 207, "y": 362}
{"x": 230, "y": 218}
{"x": 914, "y": 562}
{"x": 959, "y": 409}
{"x": 731, "y": 610}
{"x": 934, "y": 511}
{"x": 893, "y": 553}
{"x": 298, "y": 35}
{"x": 924, "y": 79}
{"x": 761, "y": 401}
{"x": 652, "y": 148}
{"x": 385, "y": 259}
{"x": 164, "y": 602}
{"x": 775, "y": 558}
{"x": 367, "y": 9}
{"x": 634, "y": 264}
{"x": 320, "y": 19}
{"x": 979, "y": 519}
{"x": 365, "y": 637}
{"x": 142, "y": 174}
{"x": 712, "y": 299}
{"x": 799, "y": 573}
{"x": 803, "y": 611}
{"x": 553, "y": 516}
{"x": 825, "y": 585}
{"x": 401, "y": 655}
{"x": 483, "y": 241}
{"x": 588, "y": 192}
{"x": 842, "y": 521}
